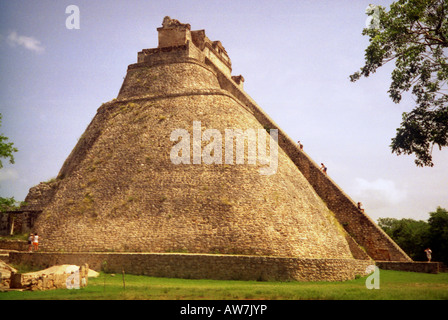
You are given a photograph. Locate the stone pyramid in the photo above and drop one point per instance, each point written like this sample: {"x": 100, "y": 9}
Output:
{"x": 183, "y": 160}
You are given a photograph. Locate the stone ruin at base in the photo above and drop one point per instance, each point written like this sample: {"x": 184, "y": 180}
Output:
{"x": 119, "y": 190}
{"x": 56, "y": 277}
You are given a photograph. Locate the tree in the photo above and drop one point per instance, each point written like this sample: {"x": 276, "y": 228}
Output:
{"x": 438, "y": 234}
{"x": 6, "y": 148}
{"x": 414, "y": 34}
{"x": 8, "y": 204}
{"x": 6, "y": 151}
{"x": 415, "y": 236}
{"x": 411, "y": 235}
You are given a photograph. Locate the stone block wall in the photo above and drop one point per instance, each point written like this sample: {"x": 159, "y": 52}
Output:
{"x": 19, "y": 245}
{"x": 18, "y": 222}
{"x": 378, "y": 245}
{"x": 121, "y": 192}
{"x": 4, "y": 224}
{"x": 88, "y": 203}
{"x": 205, "y": 266}
{"x": 424, "y": 267}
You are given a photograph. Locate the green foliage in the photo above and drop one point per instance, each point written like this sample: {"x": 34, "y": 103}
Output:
{"x": 414, "y": 34}
{"x": 6, "y": 148}
{"x": 438, "y": 234}
{"x": 9, "y": 204}
{"x": 6, "y": 151}
{"x": 412, "y": 236}
{"x": 415, "y": 236}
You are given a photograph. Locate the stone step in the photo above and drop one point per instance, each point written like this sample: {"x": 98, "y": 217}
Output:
{"x": 7, "y": 251}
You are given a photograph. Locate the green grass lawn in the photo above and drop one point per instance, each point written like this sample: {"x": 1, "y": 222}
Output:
{"x": 394, "y": 285}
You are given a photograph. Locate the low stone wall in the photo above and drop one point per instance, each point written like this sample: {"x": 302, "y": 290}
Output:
{"x": 19, "y": 245}
{"x": 204, "y": 266}
{"x": 424, "y": 267}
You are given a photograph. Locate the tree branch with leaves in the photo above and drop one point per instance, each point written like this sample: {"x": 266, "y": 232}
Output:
{"x": 414, "y": 34}
{"x": 7, "y": 150}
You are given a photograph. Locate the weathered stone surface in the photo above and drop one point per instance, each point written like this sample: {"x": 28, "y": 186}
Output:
{"x": 208, "y": 266}
{"x": 5, "y": 274}
{"x": 119, "y": 190}
{"x": 57, "y": 277}
{"x": 126, "y": 194}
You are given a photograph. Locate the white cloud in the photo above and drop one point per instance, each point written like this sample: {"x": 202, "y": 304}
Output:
{"x": 8, "y": 174}
{"x": 378, "y": 193}
{"x": 29, "y": 43}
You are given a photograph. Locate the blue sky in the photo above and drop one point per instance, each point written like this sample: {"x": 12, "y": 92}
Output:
{"x": 295, "y": 56}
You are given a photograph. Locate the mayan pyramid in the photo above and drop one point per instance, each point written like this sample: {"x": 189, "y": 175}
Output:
{"x": 139, "y": 180}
